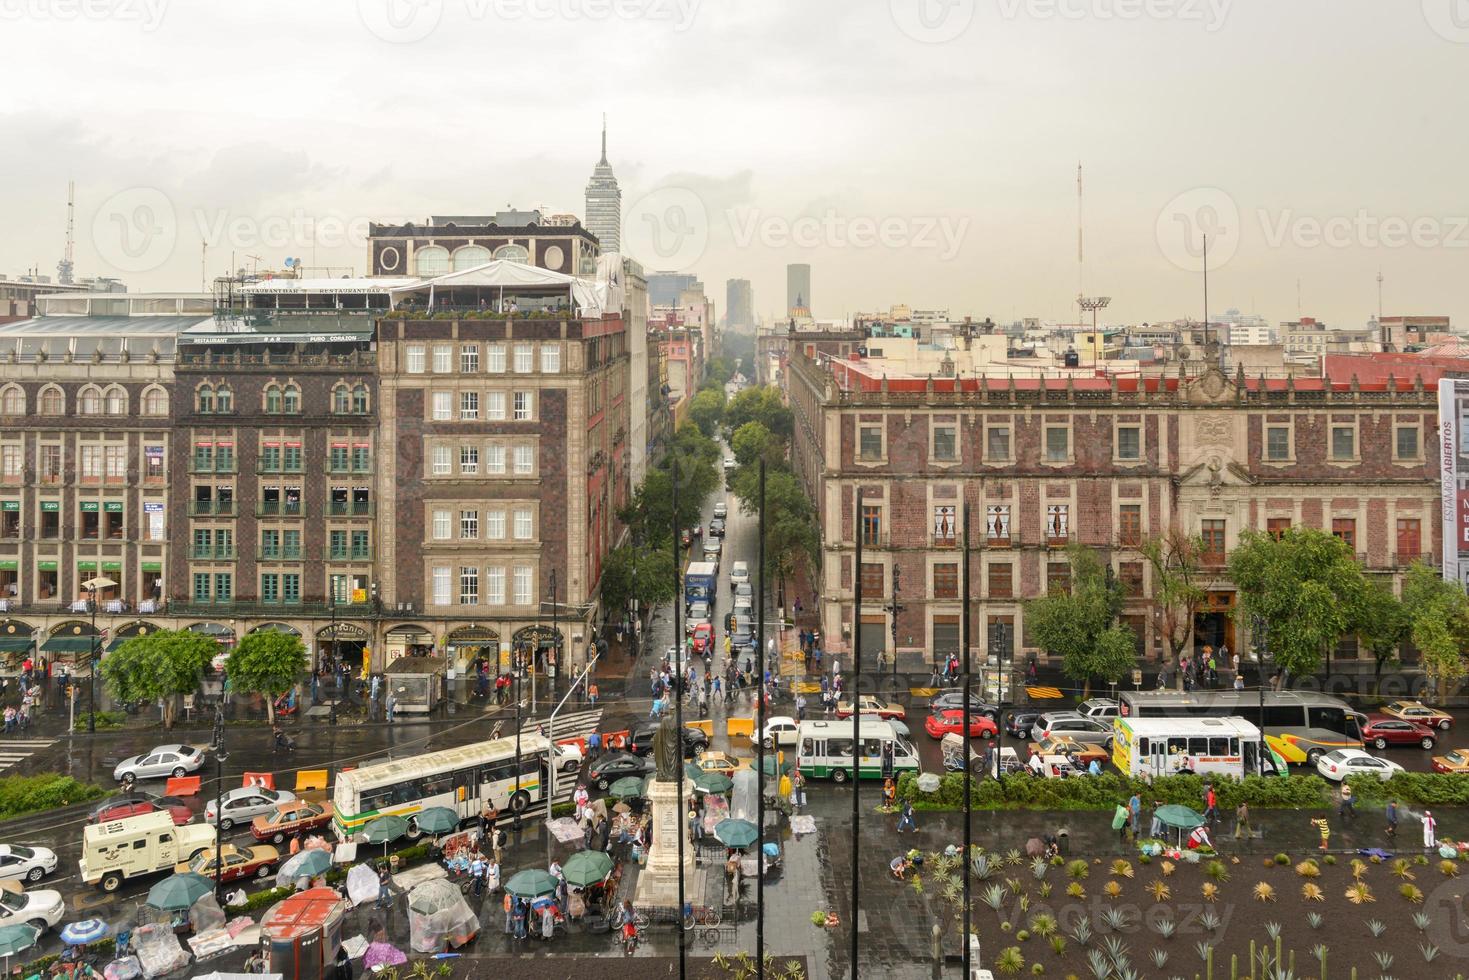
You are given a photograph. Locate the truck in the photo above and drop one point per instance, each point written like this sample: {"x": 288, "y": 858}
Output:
{"x": 700, "y": 582}
{"x": 148, "y": 843}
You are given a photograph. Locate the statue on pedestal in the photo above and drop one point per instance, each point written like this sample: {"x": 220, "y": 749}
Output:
{"x": 667, "y": 753}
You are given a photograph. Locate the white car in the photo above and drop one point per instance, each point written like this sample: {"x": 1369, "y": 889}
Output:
{"x": 26, "y": 863}
{"x": 162, "y": 762}
{"x": 42, "y": 909}
{"x": 739, "y": 574}
{"x": 779, "y": 730}
{"x": 698, "y": 613}
{"x": 721, "y": 509}
{"x": 1102, "y": 709}
{"x": 243, "y": 804}
{"x": 1340, "y": 763}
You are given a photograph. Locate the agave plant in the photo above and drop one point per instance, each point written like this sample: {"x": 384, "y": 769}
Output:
{"x": 1115, "y": 949}
{"x": 1272, "y": 929}
{"x": 1159, "y": 957}
{"x": 1075, "y": 890}
{"x": 1210, "y": 921}
{"x": 1308, "y": 869}
{"x": 1043, "y": 924}
{"x": 1098, "y": 963}
{"x": 1412, "y": 893}
{"x": 1430, "y": 952}
{"x": 1384, "y": 960}
{"x": 1116, "y": 919}
{"x": 982, "y": 866}
{"x": 993, "y": 896}
{"x": 1122, "y": 868}
{"x": 1376, "y": 927}
{"x": 1360, "y": 894}
{"x": 1264, "y": 891}
{"x": 1082, "y": 931}
{"x": 1211, "y": 891}
{"x": 1203, "y": 949}
{"x": 1112, "y": 889}
{"x": 1010, "y": 961}
{"x": 1312, "y": 892}
{"x": 1165, "y": 928}
{"x": 1014, "y": 884}
{"x": 1039, "y": 867}
{"x": 1359, "y": 868}
{"x": 1217, "y": 871}
{"x": 1167, "y": 868}
{"x": 1449, "y": 868}
{"x": 1058, "y": 944}
{"x": 1078, "y": 869}
{"x": 1319, "y": 951}
{"x": 1160, "y": 890}
{"x": 1422, "y": 921}
{"x": 1314, "y": 919}
{"x": 1045, "y": 889}
{"x": 1402, "y": 867}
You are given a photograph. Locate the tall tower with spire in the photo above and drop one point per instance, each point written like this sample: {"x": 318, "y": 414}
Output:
{"x": 604, "y": 201}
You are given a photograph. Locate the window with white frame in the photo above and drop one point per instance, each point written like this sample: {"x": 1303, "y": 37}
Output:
{"x": 525, "y": 461}
{"x": 469, "y": 460}
{"x": 1406, "y": 444}
{"x": 443, "y": 461}
{"x": 997, "y": 523}
{"x": 522, "y": 524}
{"x": 441, "y": 525}
{"x": 524, "y": 359}
{"x": 469, "y": 525}
{"x": 443, "y": 404}
{"x": 416, "y": 354}
{"x": 495, "y": 525}
{"x": 1129, "y": 443}
{"x": 1058, "y": 522}
{"x": 11, "y": 460}
{"x": 115, "y": 458}
{"x": 997, "y": 443}
{"x": 495, "y": 459}
{"x": 1277, "y": 442}
{"x": 550, "y": 358}
{"x": 469, "y": 405}
{"x": 945, "y": 443}
{"x": 495, "y": 358}
{"x": 469, "y": 358}
{"x": 523, "y": 406}
{"x": 442, "y": 584}
{"x": 1058, "y": 443}
{"x": 522, "y": 585}
{"x": 443, "y": 358}
{"x": 468, "y": 585}
{"x": 91, "y": 462}
{"x": 495, "y": 585}
{"x": 495, "y": 406}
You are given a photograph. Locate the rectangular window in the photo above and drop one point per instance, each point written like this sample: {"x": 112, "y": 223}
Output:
{"x": 203, "y": 543}
{"x": 443, "y": 406}
{"x": 10, "y": 461}
{"x": 50, "y": 464}
{"x": 1345, "y": 528}
{"x": 270, "y": 587}
{"x": 469, "y": 524}
{"x": 441, "y": 525}
{"x": 997, "y": 524}
{"x": 415, "y": 358}
{"x": 1129, "y": 443}
{"x": 1058, "y": 576}
{"x": 1277, "y": 526}
{"x": 153, "y": 463}
{"x": 1001, "y": 577}
{"x": 945, "y": 526}
{"x": 337, "y": 457}
{"x": 1212, "y": 532}
{"x": 92, "y": 460}
{"x": 1410, "y": 539}
{"x": 524, "y": 359}
{"x": 361, "y": 458}
{"x": 495, "y": 525}
{"x": 997, "y": 444}
{"x": 291, "y": 459}
{"x": 1130, "y": 574}
{"x": 443, "y": 358}
{"x": 469, "y": 406}
{"x": 291, "y": 587}
{"x": 495, "y": 586}
{"x": 1058, "y": 523}
{"x": 270, "y": 457}
{"x": 495, "y": 406}
{"x": 338, "y": 545}
{"x": 270, "y": 544}
{"x": 1343, "y": 442}
{"x": 946, "y": 581}
{"x": 468, "y": 585}
{"x": 1058, "y": 444}
{"x": 201, "y": 586}
{"x": 524, "y": 461}
{"x": 523, "y": 528}
{"x": 523, "y": 595}
{"x": 495, "y": 358}
{"x": 870, "y": 446}
{"x": 872, "y": 580}
{"x": 291, "y": 544}
{"x": 945, "y": 443}
{"x": 1405, "y": 446}
{"x": 223, "y": 586}
{"x": 441, "y": 585}
{"x": 522, "y": 406}
{"x": 443, "y": 461}
{"x": 469, "y": 358}
{"x": 550, "y": 358}
{"x": 468, "y": 460}
{"x": 871, "y": 524}
{"x": 116, "y": 461}
{"x": 495, "y": 459}
{"x": 1130, "y": 525}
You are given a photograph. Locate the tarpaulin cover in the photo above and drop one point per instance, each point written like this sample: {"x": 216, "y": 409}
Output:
{"x": 742, "y": 798}
{"x": 158, "y": 950}
{"x": 362, "y": 885}
{"x": 438, "y": 914}
{"x": 205, "y": 914}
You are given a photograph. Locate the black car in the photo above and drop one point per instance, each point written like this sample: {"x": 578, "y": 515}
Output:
{"x": 954, "y": 700}
{"x": 1020, "y": 722}
{"x": 716, "y": 527}
{"x": 610, "y": 768}
{"x": 640, "y": 741}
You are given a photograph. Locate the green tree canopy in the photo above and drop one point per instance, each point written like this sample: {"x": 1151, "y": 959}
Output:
{"x": 650, "y": 512}
{"x": 645, "y": 574}
{"x": 790, "y": 521}
{"x": 159, "y": 666}
{"x": 719, "y": 370}
{"x": 752, "y": 442}
{"x": 1307, "y": 587}
{"x": 267, "y": 663}
{"x": 763, "y": 405}
{"x": 705, "y": 410}
{"x": 1081, "y": 624}
{"x": 1385, "y": 625}
{"x": 1438, "y": 620}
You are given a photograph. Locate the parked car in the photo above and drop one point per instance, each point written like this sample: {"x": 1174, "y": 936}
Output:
{"x": 955, "y": 699}
{"x": 640, "y": 739}
{"x": 132, "y": 804}
{"x": 1455, "y": 761}
{"x": 739, "y": 572}
{"x": 162, "y": 762}
{"x": 716, "y": 527}
{"x": 721, "y": 762}
{"x": 1338, "y": 764}
{"x": 291, "y": 818}
{"x": 780, "y": 730}
{"x": 41, "y": 909}
{"x": 1380, "y": 731}
{"x": 721, "y": 510}
{"x": 18, "y": 862}
{"x": 243, "y": 804}
{"x": 1020, "y": 721}
{"x": 873, "y": 706}
{"x": 744, "y": 594}
{"x": 947, "y": 720}
{"x": 698, "y": 613}
{"x": 1081, "y": 753}
{"x": 1102, "y": 709}
{"x": 255, "y": 861}
{"x": 741, "y": 630}
{"x": 612, "y": 767}
{"x": 1072, "y": 726}
{"x": 1421, "y": 713}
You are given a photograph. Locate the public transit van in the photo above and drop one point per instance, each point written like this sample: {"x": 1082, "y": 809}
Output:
{"x": 140, "y": 845}
{"x": 1203, "y": 746}
{"x": 824, "y": 748}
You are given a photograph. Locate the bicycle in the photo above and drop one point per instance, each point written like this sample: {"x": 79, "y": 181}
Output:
{"x": 700, "y": 915}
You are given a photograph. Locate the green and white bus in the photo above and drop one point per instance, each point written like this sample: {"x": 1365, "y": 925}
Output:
{"x": 1300, "y": 726}
{"x": 463, "y": 779}
{"x": 824, "y": 748}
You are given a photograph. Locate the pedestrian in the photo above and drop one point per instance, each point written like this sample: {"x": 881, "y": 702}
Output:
{"x": 899, "y": 865}
{"x": 987, "y": 762}
{"x": 696, "y": 828}
{"x": 1135, "y": 808}
{"x": 392, "y": 706}
{"x": 1211, "y": 802}
{"x": 1156, "y": 830}
{"x": 906, "y": 818}
{"x": 1348, "y": 807}
{"x": 477, "y": 874}
{"x": 509, "y": 913}
{"x": 1430, "y": 828}
{"x": 1239, "y": 682}
{"x": 1325, "y": 828}
{"x": 1392, "y": 819}
{"x": 1120, "y": 818}
{"x": 384, "y": 890}
{"x": 1242, "y": 820}
{"x": 487, "y": 818}
{"x": 800, "y": 707}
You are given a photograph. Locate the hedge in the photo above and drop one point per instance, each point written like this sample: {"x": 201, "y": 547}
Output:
{"x": 1104, "y": 792}
{"x": 106, "y": 721}
{"x": 1422, "y": 788}
{"x": 44, "y": 791}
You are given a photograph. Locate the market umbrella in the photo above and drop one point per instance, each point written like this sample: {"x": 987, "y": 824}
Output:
{"x": 434, "y": 896}
{"x": 16, "y": 939}
{"x": 735, "y": 832}
{"x": 626, "y": 788}
{"x": 782, "y": 767}
{"x": 1179, "y": 818}
{"x": 384, "y": 830}
{"x": 383, "y": 954}
{"x": 438, "y": 820}
{"x": 531, "y": 883}
{"x": 305, "y": 864}
{"x": 585, "y": 868}
{"x": 176, "y": 893}
{"x": 712, "y": 782}
{"x": 84, "y": 932}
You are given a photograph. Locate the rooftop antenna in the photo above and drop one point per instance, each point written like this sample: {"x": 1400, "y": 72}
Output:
{"x": 1094, "y": 303}
{"x": 604, "y": 139}
{"x": 1080, "y": 254}
{"x": 66, "y": 268}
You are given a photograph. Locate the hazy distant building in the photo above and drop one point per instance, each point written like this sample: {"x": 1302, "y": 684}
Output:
{"x": 664, "y": 287}
{"x": 739, "y": 304}
{"x": 604, "y": 202}
{"x": 798, "y": 288}
{"x": 1411, "y": 332}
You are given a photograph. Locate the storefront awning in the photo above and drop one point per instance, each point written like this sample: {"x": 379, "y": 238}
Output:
{"x": 14, "y": 644}
{"x": 69, "y": 644}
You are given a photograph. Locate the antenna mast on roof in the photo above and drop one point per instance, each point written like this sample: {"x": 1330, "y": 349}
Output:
{"x": 1080, "y": 254}
{"x": 66, "y": 268}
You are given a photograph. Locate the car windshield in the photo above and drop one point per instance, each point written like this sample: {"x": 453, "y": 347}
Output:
{"x": 24, "y": 853}
{"x": 1457, "y": 756}
{"x": 1334, "y": 756}
{"x": 12, "y": 902}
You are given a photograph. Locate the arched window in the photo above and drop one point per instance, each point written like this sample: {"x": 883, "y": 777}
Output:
{"x": 512, "y": 253}
{"x": 224, "y": 399}
{"x": 155, "y": 402}
{"x": 292, "y": 400}
{"x": 272, "y": 399}
{"x": 116, "y": 401}
{"x": 340, "y": 401}
{"x": 431, "y": 260}
{"x": 13, "y": 402}
{"x": 53, "y": 402}
{"x": 470, "y": 256}
{"x": 204, "y": 400}
{"x": 89, "y": 402}
{"x": 359, "y": 399}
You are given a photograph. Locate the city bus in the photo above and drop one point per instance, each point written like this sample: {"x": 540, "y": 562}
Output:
{"x": 1300, "y": 726}
{"x": 463, "y": 779}
{"x": 1202, "y": 746}
{"x": 825, "y": 749}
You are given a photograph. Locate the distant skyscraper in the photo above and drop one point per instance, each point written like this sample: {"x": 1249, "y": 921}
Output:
{"x": 798, "y": 287}
{"x": 604, "y": 202}
{"x": 664, "y": 287}
{"x": 739, "y": 303}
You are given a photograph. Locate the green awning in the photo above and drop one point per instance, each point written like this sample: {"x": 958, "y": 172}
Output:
{"x": 114, "y": 644}
{"x": 113, "y": 506}
{"x": 89, "y": 506}
{"x": 152, "y": 566}
{"x": 9, "y": 505}
{"x": 50, "y": 505}
{"x": 14, "y": 644}
{"x": 112, "y": 566}
{"x": 69, "y": 644}
{"x": 86, "y": 566}
{"x": 9, "y": 565}
{"x": 46, "y": 566}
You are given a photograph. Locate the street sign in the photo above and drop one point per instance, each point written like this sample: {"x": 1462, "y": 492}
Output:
{"x": 1137, "y": 678}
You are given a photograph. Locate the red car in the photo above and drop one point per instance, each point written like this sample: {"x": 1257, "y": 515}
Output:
{"x": 703, "y": 637}
{"x": 1380, "y": 731}
{"x": 951, "y": 720}
{"x": 132, "y": 804}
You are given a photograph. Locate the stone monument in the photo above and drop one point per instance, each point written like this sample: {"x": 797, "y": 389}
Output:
{"x": 658, "y": 879}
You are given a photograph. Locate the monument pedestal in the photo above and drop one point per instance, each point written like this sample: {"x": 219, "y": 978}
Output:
{"x": 658, "y": 880}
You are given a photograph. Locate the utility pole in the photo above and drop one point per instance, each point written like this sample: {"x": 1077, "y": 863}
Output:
{"x": 968, "y": 803}
{"x": 895, "y": 608}
{"x": 678, "y": 695}
{"x": 856, "y": 702}
{"x": 760, "y": 745}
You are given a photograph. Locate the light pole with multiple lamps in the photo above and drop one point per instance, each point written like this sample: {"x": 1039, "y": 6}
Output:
{"x": 92, "y": 586}
{"x": 219, "y": 756}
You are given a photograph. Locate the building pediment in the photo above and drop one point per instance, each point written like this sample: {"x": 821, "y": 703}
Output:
{"x": 1216, "y": 473}
{"x": 1210, "y": 388}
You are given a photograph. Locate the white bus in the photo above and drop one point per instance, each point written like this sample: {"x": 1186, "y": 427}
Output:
{"x": 462, "y": 778}
{"x": 824, "y": 748}
{"x": 1203, "y": 746}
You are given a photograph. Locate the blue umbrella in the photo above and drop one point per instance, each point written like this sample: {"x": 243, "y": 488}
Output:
{"x": 84, "y": 932}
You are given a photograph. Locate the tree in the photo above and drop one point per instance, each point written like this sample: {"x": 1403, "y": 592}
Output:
{"x": 790, "y": 520}
{"x": 1081, "y": 624}
{"x": 267, "y": 663}
{"x": 1307, "y": 587}
{"x": 1384, "y": 627}
{"x": 719, "y": 370}
{"x": 650, "y": 512}
{"x": 645, "y": 574}
{"x": 705, "y": 410}
{"x": 159, "y": 666}
{"x": 1178, "y": 589}
{"x": 752, "y": 442}
{"x": 763, "y": 405}
{"x": 1438, "y": 617}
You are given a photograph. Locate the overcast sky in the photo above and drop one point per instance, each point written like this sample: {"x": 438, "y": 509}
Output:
{"x": 913, "y": 151}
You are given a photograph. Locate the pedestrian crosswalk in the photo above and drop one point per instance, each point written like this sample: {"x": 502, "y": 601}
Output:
{"x": 1044, "y": 693}
{"x": 17, "y": 750}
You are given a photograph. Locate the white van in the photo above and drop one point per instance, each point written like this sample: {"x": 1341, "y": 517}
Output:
{"x": 826, "y": 748}
{"x": 1203, "y": 746}
{"x": 140, "y": 845}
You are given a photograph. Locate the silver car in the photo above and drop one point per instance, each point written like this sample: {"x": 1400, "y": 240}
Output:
{"x": 161, "y": 763}
{"x": 244, "y": 803}
{"x": 1069, "y": 724}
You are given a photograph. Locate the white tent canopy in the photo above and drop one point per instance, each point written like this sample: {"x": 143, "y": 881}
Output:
{"x": 504, "y": 276}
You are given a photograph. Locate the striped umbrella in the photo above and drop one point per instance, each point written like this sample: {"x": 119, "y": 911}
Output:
{"x": 84, "y": 932}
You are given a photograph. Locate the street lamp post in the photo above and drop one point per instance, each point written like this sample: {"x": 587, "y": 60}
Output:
{"x": 219, "y": 756}
{"x": 556, "y": 632}
{"x": 92, "y": 585}
{"x": 1261, "y": 646}
{"x": 895, "y": 608}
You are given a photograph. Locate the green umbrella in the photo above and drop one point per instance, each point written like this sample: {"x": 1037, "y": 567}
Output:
{"x": 437, "y": 820}
{"x": 712, "y": 782}
{"x": 531, "y": 883}
{"x": 1179, "y": 817}
{"x": 177, "y": 892}
{"x": 384, "y": 830}
{"x": 17, "y": 939}
{"x": 626, "y": 788}
{"x": 736, "y": 833}
{"x": 585, "y": 868}
{"x": 692, "y": 771}
{"x": 785, "y": 765}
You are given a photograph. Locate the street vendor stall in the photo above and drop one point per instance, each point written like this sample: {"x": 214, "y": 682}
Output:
{"x": 438, "y": 916}
{"x": 417, "y": 683}
{"x": 301, "y": 933}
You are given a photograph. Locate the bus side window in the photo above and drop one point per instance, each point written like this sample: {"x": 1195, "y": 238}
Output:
{"x": 1234, "y": 746}
{"x": 871, "y": 747}
{"x": 1284, "y": 716}
{"x": 1219, "y": 745}
{"x": 808, "y": 747}
{"x": 1331, "y": 719}
{"x": 839, "y": 747}
{"x": 1142, "y": 746}
{"x": 1198, "y": 746}
{"x": 1177, "y": 746}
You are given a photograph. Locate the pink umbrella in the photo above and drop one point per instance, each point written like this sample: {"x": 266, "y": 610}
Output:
{"x": 382, "y": 954}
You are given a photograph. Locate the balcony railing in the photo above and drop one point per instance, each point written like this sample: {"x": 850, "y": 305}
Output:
{"x": 1402, "y": 559}
{"x": 218, "y": 465}
{"x": 281, "y": 553}
{"x": 212, "y": 508}
{"x": 997, "y": 541}
{"x": 252, "y": 607}
{"x": 1054, "y": 540}
{"x": 279, "y": 508}
{"x": 945, "y": 541}
{"x": 351, "y": 508}
{"x": 264, "y": 466}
